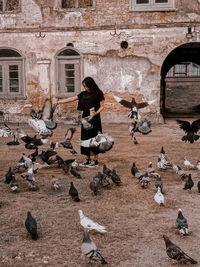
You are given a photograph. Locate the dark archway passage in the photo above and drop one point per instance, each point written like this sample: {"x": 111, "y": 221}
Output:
{"x": 180, "y": 81}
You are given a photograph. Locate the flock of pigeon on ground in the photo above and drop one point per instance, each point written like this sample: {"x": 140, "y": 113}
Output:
{"x": 28, "y": 166}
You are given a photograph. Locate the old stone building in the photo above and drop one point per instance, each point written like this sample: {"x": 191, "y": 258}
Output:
{"x": 148, "y": 49}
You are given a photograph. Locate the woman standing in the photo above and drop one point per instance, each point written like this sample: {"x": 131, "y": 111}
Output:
{"x": 91, "y": 102}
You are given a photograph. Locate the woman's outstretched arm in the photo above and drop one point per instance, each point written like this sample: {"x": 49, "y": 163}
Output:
{"x": 67, "y": 100}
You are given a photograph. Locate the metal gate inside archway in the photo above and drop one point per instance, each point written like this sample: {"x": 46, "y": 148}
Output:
{"x": 180, "y": 81}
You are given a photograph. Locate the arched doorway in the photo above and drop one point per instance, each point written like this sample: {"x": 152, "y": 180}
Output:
{"x": 180, "y": 81}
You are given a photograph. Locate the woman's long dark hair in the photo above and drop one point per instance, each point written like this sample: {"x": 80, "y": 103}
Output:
{"x": 90, "y": 83}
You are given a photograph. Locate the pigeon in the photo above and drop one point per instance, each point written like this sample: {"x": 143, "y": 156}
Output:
{"x": 14, "y": 141}
{"x": 89, "y": 224}
{"x": 39, "y": 126}
{"x": 176, "y": 253}
{"x": 6, "y": 131}
{"x": 181, "y": 223}
{"x": 159, "y": 183}
{"x": 85, "y": 122}
{"x": 164, "y": 160}
{"x": 135, "y": 172}
{"x": 180, "y": 171}
{"x": 103, "y": 141}
{"x": 31, "y": 226}
{"x": 75, "y": 173}
{"x": 188, "y": 164}
{"x": 94, "y": 184}
{"x": 103, "y": 180}
{"x": 106, "y": 170}
{"x": 68, "y": 137}
{"x": 47, "y": 115}
{"x": 198, "y": 186}
{"x": 32, "y": 141}
{"x": 55, "y": 184}
{"x": 145, "y": 180}
{"x": 190, "y": 129}
{"x": 144, "y": 127}
{"x": 115, "y": 177}
{"x": 150, "y": 169}
{"x": 189, "y": 183}
{"x": 73, "y": 192}
{"x": 159, "y": 197}
{"x": 14, "y": 185}
{"x": 9, "y": 176}
{"x": 198, "y": 165}
{"x": 90, "y": 250}
{"x": 133, "y": 106}
{"x": 161, "y": 165}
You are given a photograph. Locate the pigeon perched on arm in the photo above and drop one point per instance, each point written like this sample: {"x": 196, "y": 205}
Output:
{"x": 31, "y": 226}
{"x": 181, "y": 223}
{"x": 176, "y": 253}
{"x": 90, "y": 250}
{"x": 190, "y": 129}
{"x": 89, "y": 224}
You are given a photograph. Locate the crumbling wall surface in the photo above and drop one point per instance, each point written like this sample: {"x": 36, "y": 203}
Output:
{"x": 52, "y": 14}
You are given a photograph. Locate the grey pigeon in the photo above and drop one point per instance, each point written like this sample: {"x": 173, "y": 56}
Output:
{"x": 159, "y": 183}
{"x": 190, "y": 129}
{"x": 176, "y": 253}
{"x": 86, "y": 122}
{"x": 189, "y": 183}
{"x": 75, "y": 173}
{"x": 90, "y": 250}
{"x": 181, "y": 223}
{"x": 115, "y": 177}
{"x": 31, "y": 226}
{"x": 95, "y": 183}
{"x": 68, "y": 137}
{"x": 103, "y": 181}
{"x": 145, "y": 180}
{"x": 145, "y": 127}
{"x": 73, "y": 192}
{"x": 14, "y": 185}
{"x": 106, "y": 170}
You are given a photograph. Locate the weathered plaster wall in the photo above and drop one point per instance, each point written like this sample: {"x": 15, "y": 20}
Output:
{"x": 134, "y": 71}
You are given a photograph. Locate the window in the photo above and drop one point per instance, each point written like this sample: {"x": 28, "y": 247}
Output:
{"x": 9, "y": 5}
{"x": 151, "y": 5}
{"x": 77, "y": 3}
{"x": 11, "y": 71}
{"x": 68, "y": 72}
{"x": 187, "y": 69}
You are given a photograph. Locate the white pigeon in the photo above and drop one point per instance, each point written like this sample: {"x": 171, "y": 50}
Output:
{"x": 159, "y": 197}
{"x": 40, "y": 127}
{"x": 188, "y": 164}
{"x": 5, "y": 131}
{"x": 89, "y": 224}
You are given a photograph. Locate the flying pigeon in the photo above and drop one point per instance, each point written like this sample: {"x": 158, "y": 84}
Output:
{"x": 190, "y": 129}
{"x": 73, "y": 192}
{"x": 90, "y": 250}
{"x": 85, "y": 122}
{"x": 89, "y": 224}
{"x": 102, "y": 141}
{"x": 176, "y": 253}
{"x": 6, "y": 131}
{"x": 133, "y": 106}
{"x": 39, "y": 126}
{"x": 189, "y": 183}
{"x": 181, "y": 223}
{"x": 159, "y": 197}
{"x": 47, "y": 115}
{"x": 31, "y": 226}
{"x": 144, "y": 127}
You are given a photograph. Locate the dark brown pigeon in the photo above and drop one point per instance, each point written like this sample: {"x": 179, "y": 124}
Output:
{"x": 31, "y": 226}
{"x": 189, "y": 183}
{"x": 176, "y": 253}
{"x": 73, "y": 192}
{"x": 190, "y": 129}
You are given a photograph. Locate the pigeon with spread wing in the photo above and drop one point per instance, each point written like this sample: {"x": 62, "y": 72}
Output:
{"x": 133, "y": 106}
{"x": 190, "y": 129}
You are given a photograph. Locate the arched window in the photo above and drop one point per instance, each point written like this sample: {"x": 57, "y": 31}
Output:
{"x": 68, "y": 72}
{"x": 11, "y": 74}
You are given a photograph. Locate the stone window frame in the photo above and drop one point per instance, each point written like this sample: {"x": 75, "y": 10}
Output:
{"x": 5, "y": 62}
{"x": 79, "y": 8}
{"x": 152, "y": 6}
{"x": 61, "y": 61}
{"x": 10, "y": 11}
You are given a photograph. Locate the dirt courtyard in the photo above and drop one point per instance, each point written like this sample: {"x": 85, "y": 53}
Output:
{"x": 135, "y": 223}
